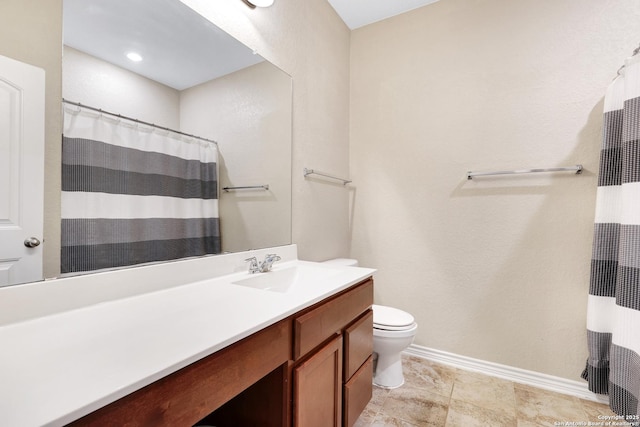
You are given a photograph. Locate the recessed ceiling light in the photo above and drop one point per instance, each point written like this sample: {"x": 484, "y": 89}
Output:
{"x": 260, "y": 3}
{"x": 134, "y": 56}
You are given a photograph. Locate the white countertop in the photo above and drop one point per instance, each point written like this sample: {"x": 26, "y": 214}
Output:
{"x": 61, "y": 366}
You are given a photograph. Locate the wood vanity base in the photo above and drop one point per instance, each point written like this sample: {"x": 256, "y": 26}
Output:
{"x": 188, "y": 395}
{"x": 269, "y": 378}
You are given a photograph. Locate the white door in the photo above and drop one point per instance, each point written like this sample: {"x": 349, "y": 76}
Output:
{"x": 21, "y": 171}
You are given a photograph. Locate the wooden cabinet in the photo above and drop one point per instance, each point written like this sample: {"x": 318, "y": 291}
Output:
{"x": 358, "y": 367}
{"x": 347, "y": 322}
{"x": 357, "y": 392}
{"x": 358, "y": 343}
{"x": 311, "y": 369}
{"x": 321, "y": 322}
{"x": 317, "y": 388}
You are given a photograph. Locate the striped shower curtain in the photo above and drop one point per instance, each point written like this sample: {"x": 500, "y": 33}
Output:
{"x": 133, "y": 194}
{"x": 613, "y": 317}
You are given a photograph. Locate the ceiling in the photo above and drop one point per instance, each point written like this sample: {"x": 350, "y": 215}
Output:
{"x": 179, "y": 47}
{"x": 358, "y": 13}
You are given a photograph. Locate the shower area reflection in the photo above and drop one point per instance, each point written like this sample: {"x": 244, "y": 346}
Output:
{"x": 134, "y": 193}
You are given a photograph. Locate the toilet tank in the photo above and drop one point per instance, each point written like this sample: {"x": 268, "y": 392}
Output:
{"x": 345, "y": 262}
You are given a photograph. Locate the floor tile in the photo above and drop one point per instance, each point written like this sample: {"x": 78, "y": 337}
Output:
{"x": 440, "y": 396}
{"x": 366, "y": 419}
{"x": 547, "y": 408}
{"x": 491, "y": 393}
{"x": 594, "y": 409}
{"x": 469, "y": 415}
{"x": 416, "y": 406}
{"x": 434, "y": 377}
{"x": 387, "y": 421}
{"x": 378, "y": 398}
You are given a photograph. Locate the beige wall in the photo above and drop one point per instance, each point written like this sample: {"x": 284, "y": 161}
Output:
{"x": 248, "y": 113}
{"x": 96, "y": 83}
{"x": 495, "y": 268}
{"x": 309, "y": 42}
{"x": 31, "y": 32}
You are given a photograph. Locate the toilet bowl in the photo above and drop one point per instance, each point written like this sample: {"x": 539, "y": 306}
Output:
{"x": 393, "y": 331}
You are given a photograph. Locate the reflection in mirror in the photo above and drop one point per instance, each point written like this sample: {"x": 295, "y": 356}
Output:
{"x": 194, "y": 78}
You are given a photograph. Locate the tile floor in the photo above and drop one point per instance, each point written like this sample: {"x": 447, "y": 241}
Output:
{"x": 442, "y": 396}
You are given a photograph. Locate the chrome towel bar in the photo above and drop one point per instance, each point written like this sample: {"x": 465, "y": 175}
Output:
{"x": 249, "y": 187}
{"x": 308, "y": 172}
{"x": 577, "y": 169}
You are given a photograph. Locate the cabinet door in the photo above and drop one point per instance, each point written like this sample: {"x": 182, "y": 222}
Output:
{"x": 317, "y": 388}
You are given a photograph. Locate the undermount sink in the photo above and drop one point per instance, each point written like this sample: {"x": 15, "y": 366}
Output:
{"x": 282, "y": 280}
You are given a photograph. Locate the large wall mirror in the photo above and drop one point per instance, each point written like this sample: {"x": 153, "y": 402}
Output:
{"x": 196, "y": 79}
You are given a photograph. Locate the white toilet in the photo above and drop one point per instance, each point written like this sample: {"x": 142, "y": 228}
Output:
{"x": 393, "y": 331}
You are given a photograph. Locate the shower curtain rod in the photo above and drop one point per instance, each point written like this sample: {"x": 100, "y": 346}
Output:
{"x": 635, "y": 52}
{"x": 120, "y": 116}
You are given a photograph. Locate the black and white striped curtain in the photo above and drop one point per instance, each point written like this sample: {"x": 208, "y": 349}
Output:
{"x": 133, "y": 194}
{"x": 613, "y": 317}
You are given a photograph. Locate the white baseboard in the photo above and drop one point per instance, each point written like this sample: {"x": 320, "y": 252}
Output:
{"x": 522, "y": 376}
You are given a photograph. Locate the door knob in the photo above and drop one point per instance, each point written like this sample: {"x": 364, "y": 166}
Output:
{"x": 31, "y": 242}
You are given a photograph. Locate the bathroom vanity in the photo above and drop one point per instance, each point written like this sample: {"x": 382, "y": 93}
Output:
{"x": 227, "y": 350}
{"x": 293, "y": 369}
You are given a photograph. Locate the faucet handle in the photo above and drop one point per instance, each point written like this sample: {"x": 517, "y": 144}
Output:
{"x": 269, "y": 259}
{"x": 253, "y": 266}
{"x": 272, "y": 258}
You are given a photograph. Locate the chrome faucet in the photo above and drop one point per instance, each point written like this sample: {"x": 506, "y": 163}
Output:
{"x": 269, "y": 259}
{"x": 253, "y": 265}
{"x": 264, "y": 266}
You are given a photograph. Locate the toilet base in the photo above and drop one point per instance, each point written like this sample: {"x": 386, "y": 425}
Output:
{"x": 388, "y": 372}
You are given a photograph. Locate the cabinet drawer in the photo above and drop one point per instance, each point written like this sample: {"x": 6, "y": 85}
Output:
{"x": 317, "y": 325}
{"x": 358, "y": 344}
{"x": 357, "y": 392}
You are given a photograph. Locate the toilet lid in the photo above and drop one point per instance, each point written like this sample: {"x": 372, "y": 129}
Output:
{"x": 389, "y": 317}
